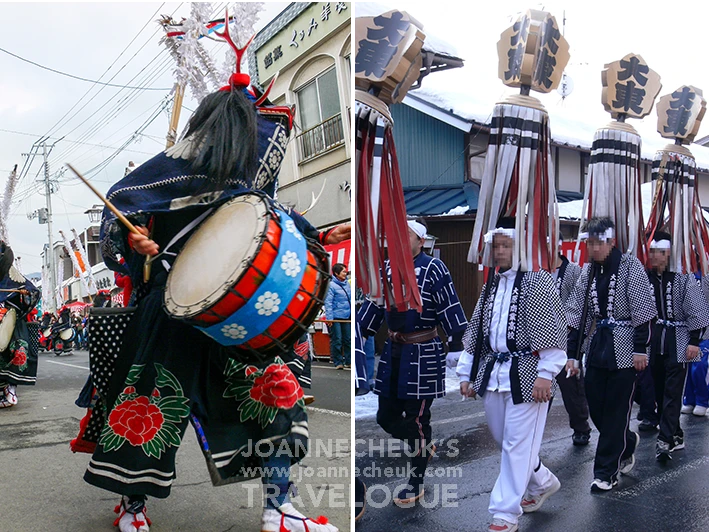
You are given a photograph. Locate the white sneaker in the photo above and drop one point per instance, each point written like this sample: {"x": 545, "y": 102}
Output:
{"x": 131, "y": 518}
{"x": 700, "y": 411}
{"x": 500, "y": 525}
{"x": 532, "y": 503}
{"x": 601, "y": 485}
{"x": 687, "y": 409}
{"x": 627, "y": 465}
{"x": 11, "y": 394}
{"x": 287, "y": 519}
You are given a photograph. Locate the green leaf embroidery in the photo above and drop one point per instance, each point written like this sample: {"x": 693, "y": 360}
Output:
{"x": 134, "y": 374}
{"x": 154, "y": 448}
{"x": 170, "y": 435}
{"x": 268, "y": 414}
{"x": 238, "y": 392}
{"x": 111, "y": 441}
{"x": 232, "y": 367}
{"x": 174, "y": 409}
{"x": 250, "y": 410}
{"x": 166, "y": 379}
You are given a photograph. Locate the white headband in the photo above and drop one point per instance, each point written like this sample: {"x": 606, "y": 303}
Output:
{"x": 417, "y": 228}
{"x": 605, "y": 236}
{"x": 661, "y": 244}
{"x": 499, "y": 231}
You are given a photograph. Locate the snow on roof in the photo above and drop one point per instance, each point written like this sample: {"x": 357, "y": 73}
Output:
{"x": 564, "y": 130}
{"x": 571, "y": 210}
{"x": 432, "y": 43}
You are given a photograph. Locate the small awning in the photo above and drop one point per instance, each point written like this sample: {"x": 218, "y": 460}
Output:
{"x": 437, "y": 200}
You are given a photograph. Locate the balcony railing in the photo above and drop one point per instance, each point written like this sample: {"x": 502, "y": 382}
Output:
{"x": 321, "y": 138}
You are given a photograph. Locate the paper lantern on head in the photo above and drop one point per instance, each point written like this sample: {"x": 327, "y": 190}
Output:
{"x": 518, "y": 179}
{"x": 630, "y": 87}
{"x": 676, "y": 207}
{"x": 387, "y": 63}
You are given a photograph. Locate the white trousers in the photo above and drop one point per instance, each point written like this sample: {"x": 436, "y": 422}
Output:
{"x": 518, "y": 429}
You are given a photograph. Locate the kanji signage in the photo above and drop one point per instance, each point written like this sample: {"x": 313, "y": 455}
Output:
{"x": 313, "y": 25}
{"x": 630, "y": 87}
{"x": 533, "y": 52}
{"x": 388, "y": 54}
{"x": 680, "y": 113}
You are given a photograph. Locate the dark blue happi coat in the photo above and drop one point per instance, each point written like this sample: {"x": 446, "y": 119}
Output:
{"x": 422, "y": 371}
{"x": 168, "y": 183}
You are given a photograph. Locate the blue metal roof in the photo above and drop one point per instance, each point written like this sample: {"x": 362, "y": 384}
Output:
{"x": 439, "y": 199}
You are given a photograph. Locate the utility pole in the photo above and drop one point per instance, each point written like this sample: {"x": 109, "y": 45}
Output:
{"x": 52, "y": 304}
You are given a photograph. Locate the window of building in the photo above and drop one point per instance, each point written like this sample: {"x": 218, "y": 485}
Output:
{"x": 320, "y": 116}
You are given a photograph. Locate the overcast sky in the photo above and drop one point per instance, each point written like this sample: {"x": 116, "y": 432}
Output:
{"x": 82, "y": 39}
{"x": 672, "y": 40}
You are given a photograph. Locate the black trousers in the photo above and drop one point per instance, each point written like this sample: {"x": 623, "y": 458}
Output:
{"x": 669, "y": 376}
{"x": 408, "y": 420}
{"x": 645, "y": 397}
{"x": 574, "y": 395}
{"x": 610, "y": 400}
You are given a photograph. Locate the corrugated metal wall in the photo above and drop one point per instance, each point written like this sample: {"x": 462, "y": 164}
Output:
{"x": 453, "y": 243}
{"x": 429, "y": 151}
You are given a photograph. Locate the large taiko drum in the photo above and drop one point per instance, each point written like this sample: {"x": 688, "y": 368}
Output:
{"x": 68, "y": 335}
{"x": 7, "y": 327}
{"x": 248, "y": 278}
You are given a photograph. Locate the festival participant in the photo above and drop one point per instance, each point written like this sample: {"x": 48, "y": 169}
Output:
{"x": 682, "y": 315}
{"x": 19, "y": 340}
{"x": 518, "y": 335}
{"x": 565, "y": 275}
{"x": 168, "y": 373}
{"x": 615, "y": 292}
{"x": 411, "y": 371}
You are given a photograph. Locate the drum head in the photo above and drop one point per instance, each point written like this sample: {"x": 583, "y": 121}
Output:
{"x": 67, "y": 334}
{"x": 216, "y": 255}
{"x": 7, "y": 327}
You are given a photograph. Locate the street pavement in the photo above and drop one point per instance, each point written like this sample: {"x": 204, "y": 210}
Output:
{"x": 652, "y": 498}
{"x": 42, "y": 489}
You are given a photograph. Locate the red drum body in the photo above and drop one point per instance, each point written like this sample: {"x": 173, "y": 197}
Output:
{"x": 248, "y": 278}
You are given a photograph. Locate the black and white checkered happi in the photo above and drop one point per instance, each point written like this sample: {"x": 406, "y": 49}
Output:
{"x": 538, "y": 323}
{"x": 629, "y": 299}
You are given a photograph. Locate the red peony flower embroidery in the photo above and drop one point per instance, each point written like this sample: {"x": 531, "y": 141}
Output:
{"x": 250, "y": 370}
{"x": 129, "y": 390}
{"x": 138, "y": 421}
{"x": 277, "y": 387}
{"x": 20, "y": 358}
{"x": 156, "y": 393}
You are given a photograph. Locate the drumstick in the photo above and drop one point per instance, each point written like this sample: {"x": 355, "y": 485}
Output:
{"x": 108, "y": 204}
{"x": 119, "y": 215}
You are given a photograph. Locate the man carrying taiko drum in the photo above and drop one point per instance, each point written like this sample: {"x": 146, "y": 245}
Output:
{"x": 244, "y": 403}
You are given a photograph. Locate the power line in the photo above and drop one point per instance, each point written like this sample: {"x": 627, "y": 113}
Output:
{"x": 69, "y": 141}
{"x": 105, "y": 72}
{"x": 96, "y": 82}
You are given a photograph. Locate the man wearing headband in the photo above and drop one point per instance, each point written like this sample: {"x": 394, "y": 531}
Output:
{"x": 411, "y": 371}
{"x": 682, "y": 315}
{"x": 565, "y": 275}
{"x": 520, "y": 347}
{"x": 614, "y": 293}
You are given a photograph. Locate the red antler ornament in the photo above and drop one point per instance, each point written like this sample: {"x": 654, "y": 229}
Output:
{"x": 237, "y": 79}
